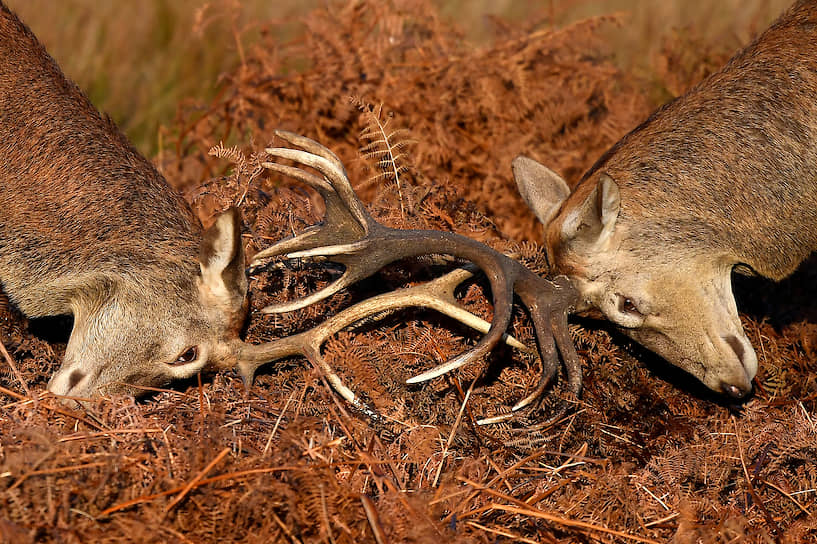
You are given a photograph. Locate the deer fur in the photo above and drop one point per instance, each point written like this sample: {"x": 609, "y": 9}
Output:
{"x": 89, "y": 228}
{"x": 723, "y": 178}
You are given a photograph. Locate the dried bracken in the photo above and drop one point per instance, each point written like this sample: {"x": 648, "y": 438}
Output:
{"x": 643, "y": 456}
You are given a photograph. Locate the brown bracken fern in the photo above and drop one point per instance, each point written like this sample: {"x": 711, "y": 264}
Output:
{"x": 386, "y": 147}
{"x": 643, "y": 453}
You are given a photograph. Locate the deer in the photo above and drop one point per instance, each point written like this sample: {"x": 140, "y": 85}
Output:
{"x": 90, "y": 228}
{"x": 722, "y": 179}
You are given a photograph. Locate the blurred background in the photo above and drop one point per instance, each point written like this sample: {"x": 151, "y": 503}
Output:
{"x": 138, "y": 60}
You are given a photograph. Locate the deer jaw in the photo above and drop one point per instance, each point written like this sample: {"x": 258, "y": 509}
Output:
{"x": 129, "y": 336}
{"x": 676, "y": 301}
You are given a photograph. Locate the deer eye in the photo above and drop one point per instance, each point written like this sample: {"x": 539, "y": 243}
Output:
{"x": 627, "y": 306}
{"x": 187, "y": 356}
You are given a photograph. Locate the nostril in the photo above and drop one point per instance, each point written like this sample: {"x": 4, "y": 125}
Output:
{"x": 75, "y": 377}
{"x": 736, "y": 345}
{"x": 734, "y": 391}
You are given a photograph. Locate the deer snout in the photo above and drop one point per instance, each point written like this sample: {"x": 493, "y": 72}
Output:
{"x": 734, "y": 391}
{"x": 70, "y": 382}
{"x": 740, "y": 384}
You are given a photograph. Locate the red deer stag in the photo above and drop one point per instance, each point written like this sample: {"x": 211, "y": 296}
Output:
{"x": 723, "y": 178}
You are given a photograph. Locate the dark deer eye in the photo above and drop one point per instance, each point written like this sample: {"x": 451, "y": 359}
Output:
{"x": 627, "y": 306}
{"x": 188, "y": 356}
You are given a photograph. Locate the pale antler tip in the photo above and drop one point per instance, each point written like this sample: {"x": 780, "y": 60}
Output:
{"x": 247, "y": 373}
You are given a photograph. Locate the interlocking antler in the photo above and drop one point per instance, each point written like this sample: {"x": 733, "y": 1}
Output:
{"x": 350, "y": 236}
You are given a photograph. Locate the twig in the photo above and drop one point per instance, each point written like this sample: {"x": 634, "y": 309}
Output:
{"x": 453, "y": 433}
{"x": 654, "y": 496}
{"x": 229, "y": 476}
{"x": 662, "y": 520}
{"x": 27, "y": 475}
{"x": 503, "y": 532}
{"x": 374, "y": 519}
{"x": 156, "y": 389}
{"x": 569, "y": 522}
{"x": 751, "y": 488}
{"x": 496, "y": 468}
{"x": 198, "y": 477}
{"x": 284, "y": 528}
{"x": 201, "y": 399}
{"x": 65, "y": 412}
{"x": 788, "y": 496}
{"x": 51, "y": 451}
{"x": 14, "y": 370}
{"x": 106, "y": 434}
{"x": 277, "y": 423}
{"x": 176, "y": 533}
{"x": 13, "y": 394}
{"x": 96, "y": 425}
{"x": 535, "y": 455}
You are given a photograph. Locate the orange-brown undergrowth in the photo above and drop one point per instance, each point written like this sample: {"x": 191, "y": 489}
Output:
{"x": 643, "y": 456}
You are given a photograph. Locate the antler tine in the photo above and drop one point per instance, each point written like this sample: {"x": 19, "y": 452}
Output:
{"x": 548, "y": 310}
{"x": 437, "y": 295}
{"x": 336, "y": 186}
{"x": 336, "y": 173}
{"x": 548, "y": 304}
{"x": 351, "y": 237}
{"x": 561, "y": 333}
{"x": 345, "y": 220}
{"x": 344, "y": 209}
{"x": 333, "y": 169}
{"x": 311, "y": 146}
{"x": 311, "y": 237}
{"x": 340, "y": 223}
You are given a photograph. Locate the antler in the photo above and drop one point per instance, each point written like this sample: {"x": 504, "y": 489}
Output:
{"x": 350, "y": 236}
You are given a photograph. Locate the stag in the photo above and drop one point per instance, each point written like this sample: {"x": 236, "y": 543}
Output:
{"x": 722, "y": 179}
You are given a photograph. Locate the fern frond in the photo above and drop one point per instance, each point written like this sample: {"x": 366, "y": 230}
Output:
{"x": 385, "y": 147}
{"x": 246, "y": 169}
{"x": 231, "y": 154}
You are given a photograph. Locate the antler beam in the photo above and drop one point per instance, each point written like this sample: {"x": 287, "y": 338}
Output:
{"x": 350, "y": 236}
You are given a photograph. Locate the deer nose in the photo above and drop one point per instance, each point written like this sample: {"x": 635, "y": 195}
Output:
{"x": 741, "y": 385}
{"x": 68, "y": 382}
{"x": 734, "y": 391}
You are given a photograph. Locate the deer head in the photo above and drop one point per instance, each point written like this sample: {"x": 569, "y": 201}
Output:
{"x": 669, "y": 293}
{"x": 143, "y": 330}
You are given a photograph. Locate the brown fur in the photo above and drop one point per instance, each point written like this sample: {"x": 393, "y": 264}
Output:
{"x": 89, "y": 227}
{"x": 722, "y": 178}
{"x": 732, "y": 165}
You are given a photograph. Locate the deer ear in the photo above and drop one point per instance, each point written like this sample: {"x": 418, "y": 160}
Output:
{"x": 541, "y": 188}
{"x": 593, "y": 220}
{"x": 221, "y": 259}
